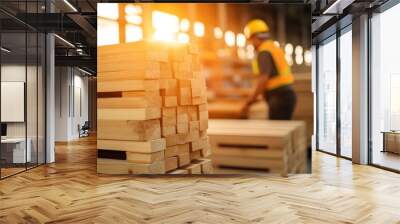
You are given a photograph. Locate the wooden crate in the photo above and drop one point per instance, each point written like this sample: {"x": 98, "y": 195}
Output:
{"x": 151, "y": 110}
{"x": 278, "y": 146}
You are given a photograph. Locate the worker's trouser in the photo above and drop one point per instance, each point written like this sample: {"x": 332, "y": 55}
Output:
{"x": 281, "y": 103}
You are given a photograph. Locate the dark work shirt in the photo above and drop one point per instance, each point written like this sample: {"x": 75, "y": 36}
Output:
{"x": 266, "y": 64}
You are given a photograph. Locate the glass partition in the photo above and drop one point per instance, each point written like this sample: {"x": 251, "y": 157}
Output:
{"x": 14, "y": 153}
{"x": 385, "y": 89}
{"x": 346, "y": 92}
{"x": 22, "y": 78}
{"x": 327, "y": 96}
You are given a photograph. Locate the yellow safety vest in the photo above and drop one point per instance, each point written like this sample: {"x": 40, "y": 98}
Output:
{"x": 285, "y": 76}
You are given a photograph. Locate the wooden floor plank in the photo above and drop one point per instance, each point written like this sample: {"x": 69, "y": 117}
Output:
{"x": 70, "y": 191}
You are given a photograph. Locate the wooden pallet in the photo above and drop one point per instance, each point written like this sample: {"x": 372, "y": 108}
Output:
{"x": 278, "y": 146}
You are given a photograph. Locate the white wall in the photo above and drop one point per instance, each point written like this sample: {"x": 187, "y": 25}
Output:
{"x": 33, "y": 127}
{"x": 15, "y": 73}
{"x": 70, "y": 83}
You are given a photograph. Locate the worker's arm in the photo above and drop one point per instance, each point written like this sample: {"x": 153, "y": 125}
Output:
{"x": 266, "y": 69}
{"x": 260, "y": 87}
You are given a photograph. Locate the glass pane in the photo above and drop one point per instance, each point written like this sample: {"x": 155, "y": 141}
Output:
{"x": 31, "y": 98}
{"x": 385, "y": 114}
{"x": 41, "y": 98}
{"x": 346, "y": 94}
{"x": 13, "y": 89}
{"x": 327, "y": 96}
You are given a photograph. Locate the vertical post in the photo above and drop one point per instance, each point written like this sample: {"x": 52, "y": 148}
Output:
{"x": 338, "y": 95}
{"x": 50, "y": 92}
{"x": 360, "y": 90}
{"x": 314, "y": 89}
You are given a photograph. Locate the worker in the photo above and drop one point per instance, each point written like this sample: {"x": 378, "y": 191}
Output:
{"x": 274, "y": 78}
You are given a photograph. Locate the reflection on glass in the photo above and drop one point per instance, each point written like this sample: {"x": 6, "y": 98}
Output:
{"x": 15, "y": 151}
{"x": 385, "y": 84}
{"x": 346, "y": 94}
{"x": 31, "y": 99}
{"x": 327, "y": 97}
{"x": 41, "y": 98}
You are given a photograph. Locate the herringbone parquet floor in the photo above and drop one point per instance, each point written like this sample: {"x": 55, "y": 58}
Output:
{"x": 70, "y": 191}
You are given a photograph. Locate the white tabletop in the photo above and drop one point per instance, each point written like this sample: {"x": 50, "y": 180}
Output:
{"x": 13, "y": 140}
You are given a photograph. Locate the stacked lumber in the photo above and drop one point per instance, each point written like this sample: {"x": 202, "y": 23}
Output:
{"x": 232, "y": 109}
{"x": 277, "y": 146}
{"x": 305, "y": 105}
{"x": 152, "y": 110}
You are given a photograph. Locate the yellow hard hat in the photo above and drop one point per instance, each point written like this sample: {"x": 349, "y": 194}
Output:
{"x": 255, "y": 26}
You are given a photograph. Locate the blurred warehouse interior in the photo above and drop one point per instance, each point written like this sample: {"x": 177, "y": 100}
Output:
{"x": 225, "y": 55}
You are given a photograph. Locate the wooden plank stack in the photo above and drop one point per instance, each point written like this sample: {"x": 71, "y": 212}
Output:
{"x": 277, "y": 146}
{"x": 152, "y": 110}
{"x": 305, "y": 105}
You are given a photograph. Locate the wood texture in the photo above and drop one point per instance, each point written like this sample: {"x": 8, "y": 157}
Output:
{"x": 278, "y": 146}
{"x": 160, "y": 95}
{"x": 70, "y": 191}
{"x": 133, "y": 146}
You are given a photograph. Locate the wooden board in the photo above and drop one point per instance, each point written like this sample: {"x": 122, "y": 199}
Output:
{"x": 183, "y": 159}
{"x": 179, "y": 171}
{"x": 130, "y": 102}
{"x": 133, "y": 146}
{"x": 206, "y": 166}
{"x": 171, "y": 163}
{"x": 112, "y": 166}
{"x": 148, "y": 158}
{"x": 251, "y": 163}
{"x": 110, "y": 72}
{"x": 194, "y": 168}
{"x": 128, "y": 130}
{"x": 247, "y": 152}
{"x": 257, "y": 143}
{"x": 131, "y": 114}
{"x": 127, "y": 85}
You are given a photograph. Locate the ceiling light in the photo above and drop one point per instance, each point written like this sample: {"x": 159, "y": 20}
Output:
{"x": 198, "y": 29}
{"x": 133, "y": 9}
{"x": 185, "y": 25}
{"x": 298, "y": 50}
{"x": 289, "y": 49}
{"x": 64, "y": 40}
{"x": 240, "y": 40}
{"x": 230, "y": 38}
{"x": 183, "y": 38}
{"x": 133, "y": 33}
{"x": 218, "y": 34}
{"x": 5, "y": 50}
{"x": 70, "y": 5}
{"x": 307, "y": 57}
